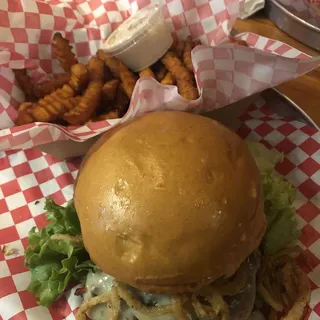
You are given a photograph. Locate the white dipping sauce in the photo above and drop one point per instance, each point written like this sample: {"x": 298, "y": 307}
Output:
{"x": 140, "y": 40}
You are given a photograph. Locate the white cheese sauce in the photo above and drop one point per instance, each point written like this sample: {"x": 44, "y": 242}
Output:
{"x": 100, "y": 283}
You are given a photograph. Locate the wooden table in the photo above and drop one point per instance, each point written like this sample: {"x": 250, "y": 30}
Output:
{"x": 305, "y": 90}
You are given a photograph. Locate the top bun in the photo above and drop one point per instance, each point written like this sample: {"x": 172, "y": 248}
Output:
{"x": 169, "y": 202}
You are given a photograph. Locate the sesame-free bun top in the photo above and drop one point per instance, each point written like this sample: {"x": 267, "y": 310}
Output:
{"x": 169, "y": 202}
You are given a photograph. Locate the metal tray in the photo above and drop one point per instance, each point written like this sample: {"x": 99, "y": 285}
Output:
{"x": 293, "y": 25}
{"x": 285, "y": 107}
{"x": 279, "y": 103}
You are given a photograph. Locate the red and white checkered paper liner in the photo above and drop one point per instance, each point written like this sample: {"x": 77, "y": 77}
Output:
{"x": 225, "y": 73}
{"x": 27, "y": 177}
{"x": 307, "y": 10}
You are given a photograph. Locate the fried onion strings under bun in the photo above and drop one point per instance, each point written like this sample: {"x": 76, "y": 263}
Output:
{"x": 177, "y": 307}
{"x": 112, "y": 299}
{"x": 284, "y": 286}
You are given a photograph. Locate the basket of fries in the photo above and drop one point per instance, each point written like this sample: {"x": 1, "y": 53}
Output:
{"x": 102, "y": 88}
{"x": 99, "y": 90}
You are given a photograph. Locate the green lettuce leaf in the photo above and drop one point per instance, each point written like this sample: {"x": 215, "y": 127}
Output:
{"x": 279, "y": 195}
{"x": 54, "y": 263}
{"x": 265, "y": 159}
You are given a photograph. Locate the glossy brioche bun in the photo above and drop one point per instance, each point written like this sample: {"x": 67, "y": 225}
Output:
{"x": 169, "y": 202}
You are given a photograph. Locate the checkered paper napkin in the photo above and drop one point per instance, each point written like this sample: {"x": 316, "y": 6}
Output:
{"x": 27, "y": 177}
{"x": 225, "y": 73}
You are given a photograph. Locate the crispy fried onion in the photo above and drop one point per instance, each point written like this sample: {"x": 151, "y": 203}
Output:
{"x": 281, "y": 283}
{"x": 210, "y": 306}
{"x": 120, "y": 292}
{"x": 208, "y": 302}
{"x": 284, "y": 286}
{"x": 135, "y": 304}
{"x": 76, "y": 240}
{"x": 112, "y": 299}
{"x": 213, "y": 306}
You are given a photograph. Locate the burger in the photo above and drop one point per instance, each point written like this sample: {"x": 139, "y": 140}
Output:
{"x": 171, "y": 210}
